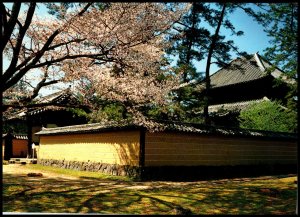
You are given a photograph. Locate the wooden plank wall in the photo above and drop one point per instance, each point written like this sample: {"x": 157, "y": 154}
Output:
{"x": 120, "y": 148}
{"x": 187, "y": 149}
{"x": 20, "y": 147}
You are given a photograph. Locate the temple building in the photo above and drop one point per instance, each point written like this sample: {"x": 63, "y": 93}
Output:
{"x": 244, "y": 81}
{"x": 54, "y": 110}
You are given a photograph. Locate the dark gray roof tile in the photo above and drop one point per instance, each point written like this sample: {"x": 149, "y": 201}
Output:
{"x": 168, "y": 126}
{"x": 57, "y": 101}
{"x": 239, "y": 70}
{"x": 235, "y": 106}
{"x": 245, "y": 69}
{"x": 16, "y": 136}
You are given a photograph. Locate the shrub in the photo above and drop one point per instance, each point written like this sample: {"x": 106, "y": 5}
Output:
{"x": 269, "y": 116}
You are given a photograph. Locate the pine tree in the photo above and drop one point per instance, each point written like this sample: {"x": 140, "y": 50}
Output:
{"x": 198, "y": 37}
{"x": 280, "y": 22}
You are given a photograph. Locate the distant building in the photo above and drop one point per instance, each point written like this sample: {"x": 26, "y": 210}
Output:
{"x": 54, "y": 110}
{"x": 244, "y": 81}
{"x": 14, "y": 145}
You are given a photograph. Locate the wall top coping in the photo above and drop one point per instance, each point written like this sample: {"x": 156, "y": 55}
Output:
{"x": 164, "y": 127}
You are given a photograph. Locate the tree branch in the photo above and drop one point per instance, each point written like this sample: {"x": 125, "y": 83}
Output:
{"x": 8, "y": 29}
{"x": 92, "y": 56}
{"x": 18, "y": 22}
{"x": 36, "y": 90}
{"x": 65, "y": 43}
{"x": 3, "y": 17}
{"x": 37, "y": 105}
{"x": 85, "y": 8}
{"x": 16, "y": 52}
{"x": 12, "y": 79}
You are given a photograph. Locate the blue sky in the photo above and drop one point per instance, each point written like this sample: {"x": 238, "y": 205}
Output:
{"x": 254, "y": 38}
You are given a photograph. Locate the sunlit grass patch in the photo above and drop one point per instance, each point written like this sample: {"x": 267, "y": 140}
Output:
{"x": 12, "y": 189}
{"x": 288, "y": 179}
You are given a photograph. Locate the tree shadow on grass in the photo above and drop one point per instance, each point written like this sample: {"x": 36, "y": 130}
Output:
{"x": 63, "y": 195}
{"x": 46, "y": 194}
{"x": 59, "y": 195}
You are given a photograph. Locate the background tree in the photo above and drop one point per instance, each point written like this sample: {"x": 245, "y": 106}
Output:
{"x": 110, "y": 111}
{"x": 197, "y": 36}
{"x": 187, "y": 35}
{"x": 280, "y": 22}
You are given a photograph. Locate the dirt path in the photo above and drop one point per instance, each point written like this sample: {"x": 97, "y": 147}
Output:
{"x": 19, "y": 169}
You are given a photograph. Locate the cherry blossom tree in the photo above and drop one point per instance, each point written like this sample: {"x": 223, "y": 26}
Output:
{"x": 117, "y": 50}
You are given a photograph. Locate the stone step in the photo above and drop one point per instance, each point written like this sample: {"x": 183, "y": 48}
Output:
{"x": 15, "y": 159}
{"x": 22, "y": 161}
{"x": 11, "y": 161}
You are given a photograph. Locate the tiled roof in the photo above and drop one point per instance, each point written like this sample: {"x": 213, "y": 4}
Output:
{"x": 56, "y": 100}
{"x": 19, "y": 114}
{"x": 235, "y": 106}
{"x": 243, "y": 70}
{"x": 17, "y": 136}
{"x": 22, "y": 113}
{"x": 170, "y": 126}
{"x": 58, "y": 97}
{"x": 23, "y": 137}
{"x": 45, "y": 108}
{"x": 83, "y": 128}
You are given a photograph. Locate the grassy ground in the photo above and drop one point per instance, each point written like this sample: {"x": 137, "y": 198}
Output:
{"x": 91, "y": 193}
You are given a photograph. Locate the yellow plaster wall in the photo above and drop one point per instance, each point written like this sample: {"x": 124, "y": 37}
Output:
{"x": 3, "y": 147}
{"x": 120, "y": 148}
{"x": 178, "y": 149}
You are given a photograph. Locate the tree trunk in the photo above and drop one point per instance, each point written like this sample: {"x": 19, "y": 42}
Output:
{"x": 8, "y": 146}
{"x": 29, "y": 135}
{"x": 207, "y": 76}
{"x": 1, "y": 73}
